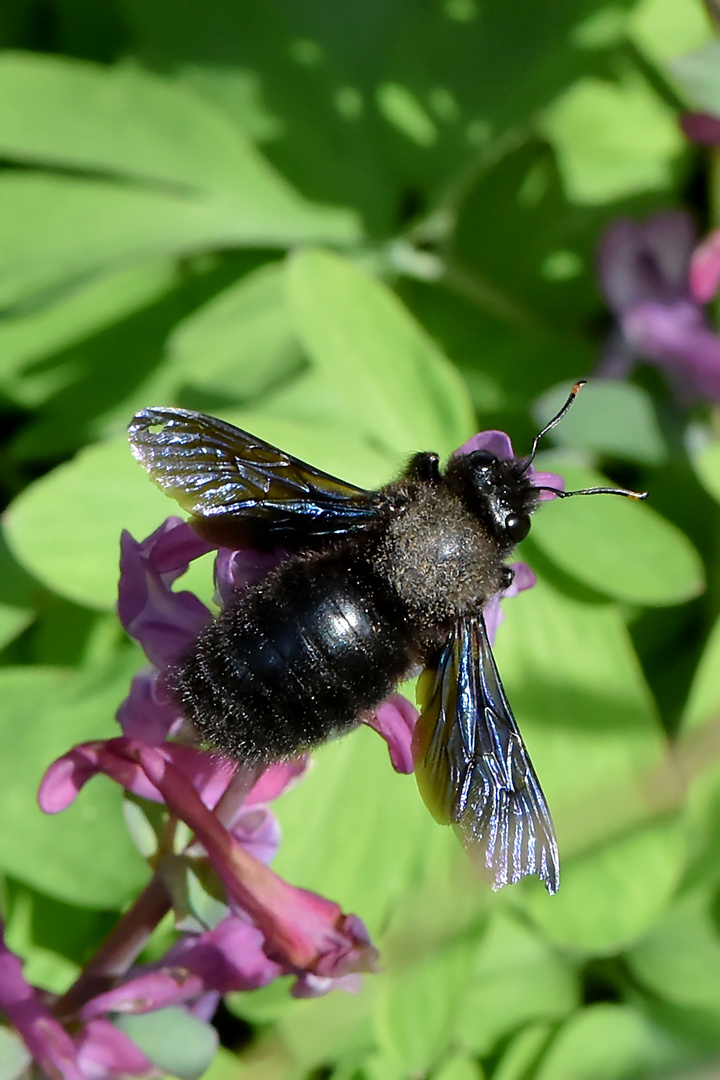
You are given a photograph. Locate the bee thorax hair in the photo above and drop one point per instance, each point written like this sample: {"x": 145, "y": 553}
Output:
{"x": 439, "y": 558}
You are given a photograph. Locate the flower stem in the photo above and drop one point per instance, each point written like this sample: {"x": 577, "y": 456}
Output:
{"x": 120, "y": 949}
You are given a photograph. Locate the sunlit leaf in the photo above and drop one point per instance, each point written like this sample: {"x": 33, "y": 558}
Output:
{"x": 82, "y": 855}
{"x": 612, "y": 139}
{"x": 608, "y": 1042}
{"x": 367, "y": 345}
{"x": 618, "y": 546}
{"x": 173, "y": 1039}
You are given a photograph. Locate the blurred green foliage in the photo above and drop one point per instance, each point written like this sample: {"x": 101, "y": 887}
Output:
{"x": 359, "y": 230}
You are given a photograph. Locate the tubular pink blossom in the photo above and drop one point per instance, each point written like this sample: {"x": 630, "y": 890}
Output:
{"x": 301, "y": 929}
{"x": 395, "y": 720}
{"x": 46, "y": 1039}
{"x": 117, "y": 758}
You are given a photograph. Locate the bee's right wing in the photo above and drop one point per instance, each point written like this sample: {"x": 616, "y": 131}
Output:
{"x": 472, "y": 767}
{"x": 242, "y": 491}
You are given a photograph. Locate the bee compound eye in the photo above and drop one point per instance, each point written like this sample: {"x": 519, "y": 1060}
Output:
{"x": 517, "y": 526}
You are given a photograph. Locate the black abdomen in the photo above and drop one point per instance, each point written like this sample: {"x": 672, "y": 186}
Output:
{"x": 294, "y": 661}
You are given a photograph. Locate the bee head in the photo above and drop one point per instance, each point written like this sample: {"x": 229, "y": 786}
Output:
{"x": 499, "y": 493}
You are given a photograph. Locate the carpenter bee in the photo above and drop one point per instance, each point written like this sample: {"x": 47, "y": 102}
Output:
{"x": 375, "y": 585}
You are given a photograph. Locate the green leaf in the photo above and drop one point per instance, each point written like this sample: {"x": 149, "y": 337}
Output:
{"x": 15, "y": 1057}
{"x": 54, "y": 939}
{"x": 128, "y": 122}
{"x": 82, "y": 310}
{"x": 12, "y": 622}
{"x": 707, "y": 466}
{"x": 82, "y": 855}
{"x": 459, "y": 1067}
{"x": 612, "y": 139}
{"x": 618, "y": 546}
{"x": 241, "y": 343}
{"x": 370, "y": 349}
{"x": 615, "y": 418}
{"x": 264, "y": 1005}
{"x": 608, "y": 1042}
{"x": 56, "y": 228}
{"x": 418, "y": 1005}
{"x": 522, "y": 1053}
{"x": 516, "y": 979}
{"x": 17, "y": 596}
{"x": 697, "y": 74}
{"x": 173, "y": 1039}
{"x": 592, "y": 732}
{"x": 345, "y": 105}
{"x": 65, "y": 528}
{"x": 337, "y": 1026}
{"x": 680, "y": 957}
{"x": 663, "y": 29}
{"x": 703, "y": 701}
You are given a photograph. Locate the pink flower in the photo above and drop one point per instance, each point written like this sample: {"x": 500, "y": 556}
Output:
{"x": 645, "y": 273}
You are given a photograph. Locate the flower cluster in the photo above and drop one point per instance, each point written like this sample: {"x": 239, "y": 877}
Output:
{"x": 249, "y": 927}
{"x": 655, "y": 282}
{"x": 656, "y": 278}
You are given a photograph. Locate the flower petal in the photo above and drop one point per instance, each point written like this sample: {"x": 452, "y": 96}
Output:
{"x": 105, "y": 1053}
{"x": 300, "y": 928}
{"x": 164, "y": 622}
{"x": 236, "y": 570}
{"x": 494, "y": 615}
{"x": 705, "y": 268}
{"x": 210, "y": 774}
{"x": 395, "y": 720}
{"x": 278, "y": 778}
{"x": 546, "y": 479}
{"x": 145, "y": 993}
{"x": 496, "y": 442}
{"x": 146, "y": 714}
{"x": 229, "y": 957}
{"x": 258, "y": 830}
{"x": 646, "y": 261}
{"x": 679, "y": 340}
{"x": 66, "y": 777}
{"x": 312, "y": 986}
{"x": 702, "y": 128}
{"x": 46, "y": 1039}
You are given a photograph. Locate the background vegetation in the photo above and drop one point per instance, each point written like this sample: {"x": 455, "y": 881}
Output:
{"x": 361, "y": 229}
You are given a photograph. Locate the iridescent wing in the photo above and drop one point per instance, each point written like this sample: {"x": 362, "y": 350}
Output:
{"x": 243, "y": 491}
{"x": 472, "y": 767}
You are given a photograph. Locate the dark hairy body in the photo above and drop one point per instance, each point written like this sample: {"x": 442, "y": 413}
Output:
{"x": 326, "y": 637}
{"x": 376, "y": 585}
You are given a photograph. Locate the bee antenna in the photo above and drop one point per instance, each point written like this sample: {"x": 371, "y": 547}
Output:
{"x": 593, "y": 491}
{"x": 553, "y": 423}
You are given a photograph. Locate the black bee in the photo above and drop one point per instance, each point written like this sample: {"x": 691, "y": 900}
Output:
{"x": 375, "y": 585}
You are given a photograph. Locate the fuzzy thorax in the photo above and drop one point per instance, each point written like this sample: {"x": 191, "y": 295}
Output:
{"x": 439, "y": 558}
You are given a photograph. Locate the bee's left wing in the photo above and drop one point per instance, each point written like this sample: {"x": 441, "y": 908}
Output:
{"x": 240, "y": 490}
{"x": 472, "y": 767}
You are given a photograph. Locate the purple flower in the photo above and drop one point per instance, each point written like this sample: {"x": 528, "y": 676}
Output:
{"x": 705, "y": 269}
{"x": 46, "y": 1039}
{"x": 104, "y": 1053}
{"x": 702, "y": 128}
{"x": 644, "y": 270}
